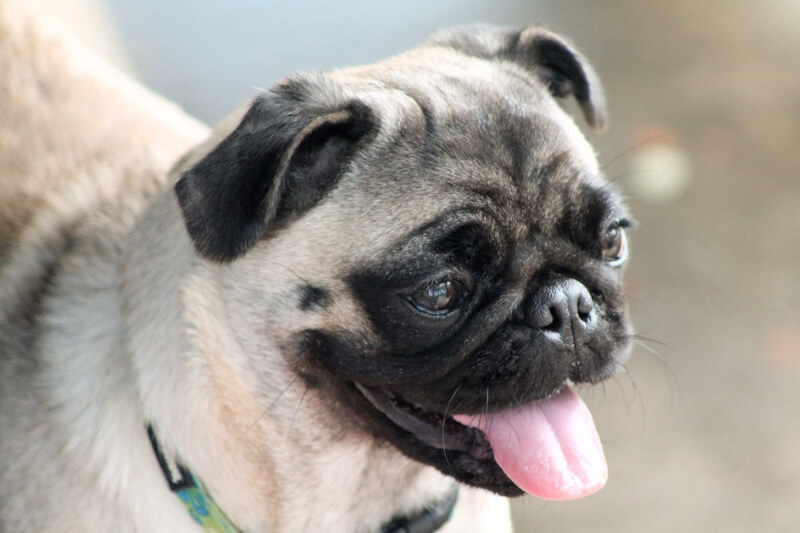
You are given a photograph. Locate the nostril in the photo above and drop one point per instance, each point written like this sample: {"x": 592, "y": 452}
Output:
{"x": 553, "y": 321}
{"x": 585, "y": 306}
{"x": 559, "y": 311}
{"x": 561, "y": 307}
{"x": 543, "y": 318}
{"x": 551, "y": 315}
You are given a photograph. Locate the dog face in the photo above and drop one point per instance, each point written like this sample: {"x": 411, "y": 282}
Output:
{"x": 420, "y": 238}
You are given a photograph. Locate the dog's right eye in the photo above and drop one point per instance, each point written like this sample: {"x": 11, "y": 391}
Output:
{"x": 439, "y": 298}
{"x": 615, "y": 243}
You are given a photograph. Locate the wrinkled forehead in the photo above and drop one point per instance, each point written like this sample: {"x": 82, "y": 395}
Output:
{"x": 492, "y": 111}
{"x": 474, "y": 136}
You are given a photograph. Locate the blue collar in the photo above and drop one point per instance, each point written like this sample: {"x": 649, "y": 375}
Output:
{"x": 204, "y": 510}
{"x": 192, "y": 493}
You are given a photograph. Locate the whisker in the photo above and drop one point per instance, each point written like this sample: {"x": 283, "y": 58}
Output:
{"x": 486, "y": 408}
{"x": 601, "y": 182}
{"x": 517, "y": 401}
{"x": 644, "y": 343}
{"x": 297, "y": 409}
{"x": 630, "y": 298}
{"x": 621, "y": 389}
{"x": 637, "y": 393}
{"x": 632, "y": 149}
{"x": 444, "y": 420}
{"x": 649, "y": 339}
{"x": 270, "y": 406}
{"x": 622, "y": 175}
{"x": 258, "y": 419}
{"x": 293, "y": 273}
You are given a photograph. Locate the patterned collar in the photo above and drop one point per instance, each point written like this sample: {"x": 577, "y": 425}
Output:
{"x": 204, "y": 510}
{"x": 192, "y": 493}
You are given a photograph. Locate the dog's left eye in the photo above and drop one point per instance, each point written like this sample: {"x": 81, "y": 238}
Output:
{"x": 438, "y": 298}
{"x": 615, "y": 244}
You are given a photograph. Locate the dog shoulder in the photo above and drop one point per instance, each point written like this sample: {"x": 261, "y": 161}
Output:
{"x": 74, "y": 131}
{"x": 82, "y": 150}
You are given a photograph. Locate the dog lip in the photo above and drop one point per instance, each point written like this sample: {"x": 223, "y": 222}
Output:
{"x": 432, "y": 429}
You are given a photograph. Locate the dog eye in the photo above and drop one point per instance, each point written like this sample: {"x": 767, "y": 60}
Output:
{"x": 438, "y": 298}
{"x": 615, "y": 244}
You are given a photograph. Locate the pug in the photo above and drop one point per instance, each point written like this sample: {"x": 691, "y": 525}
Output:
{"x": 363, "y": 304}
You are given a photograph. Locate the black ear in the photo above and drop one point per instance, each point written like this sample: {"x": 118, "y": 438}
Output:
{"x": 554, "y": 61}
{"x": 285, "y": 155}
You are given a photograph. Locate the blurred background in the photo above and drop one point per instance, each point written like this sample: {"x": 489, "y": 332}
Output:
{"x": 703, "y": 433}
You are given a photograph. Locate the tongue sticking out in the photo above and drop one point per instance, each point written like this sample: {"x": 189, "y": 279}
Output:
{"x": 549, "y": 448}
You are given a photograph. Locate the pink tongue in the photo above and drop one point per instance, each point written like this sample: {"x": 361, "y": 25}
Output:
{"x": 549, "y": 449}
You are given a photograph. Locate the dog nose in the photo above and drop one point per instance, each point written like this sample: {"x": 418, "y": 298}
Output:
{"x": 563, "y": 308}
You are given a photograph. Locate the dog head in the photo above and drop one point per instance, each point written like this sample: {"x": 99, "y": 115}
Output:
{"x": 424, "y": 237}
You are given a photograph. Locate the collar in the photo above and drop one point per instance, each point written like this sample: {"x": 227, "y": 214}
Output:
{"x": 429, "y": 519}
{"x": 192, "y": 493}
{"x": 204, "y": 510}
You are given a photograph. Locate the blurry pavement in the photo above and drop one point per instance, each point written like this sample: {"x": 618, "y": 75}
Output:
{"x": 705, "y": 435}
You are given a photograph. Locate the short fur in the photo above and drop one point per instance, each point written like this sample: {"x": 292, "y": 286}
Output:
{"x": 243, "y": 312}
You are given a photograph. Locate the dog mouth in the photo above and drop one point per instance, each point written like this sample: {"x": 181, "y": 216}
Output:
{"x": 430, "y": 428}
{"x": 548, "y": 448}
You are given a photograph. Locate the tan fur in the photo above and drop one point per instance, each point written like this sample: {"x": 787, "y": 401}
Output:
{"x": 127, "y": 325}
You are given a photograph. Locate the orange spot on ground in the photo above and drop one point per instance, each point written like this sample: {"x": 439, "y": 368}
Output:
{"x": 784, "y": 346}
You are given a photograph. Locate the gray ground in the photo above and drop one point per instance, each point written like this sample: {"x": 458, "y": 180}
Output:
{"x": 705, "y": 112}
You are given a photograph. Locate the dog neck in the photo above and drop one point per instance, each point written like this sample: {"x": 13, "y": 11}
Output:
{"x": 204, "y": 510}
{"x": 192, "y": 493}
{"x": 199, "y": 395}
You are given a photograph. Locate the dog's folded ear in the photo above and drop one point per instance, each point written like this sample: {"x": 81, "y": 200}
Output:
{"x": 285, "y": 155}
{"x": 550, "y": 58}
